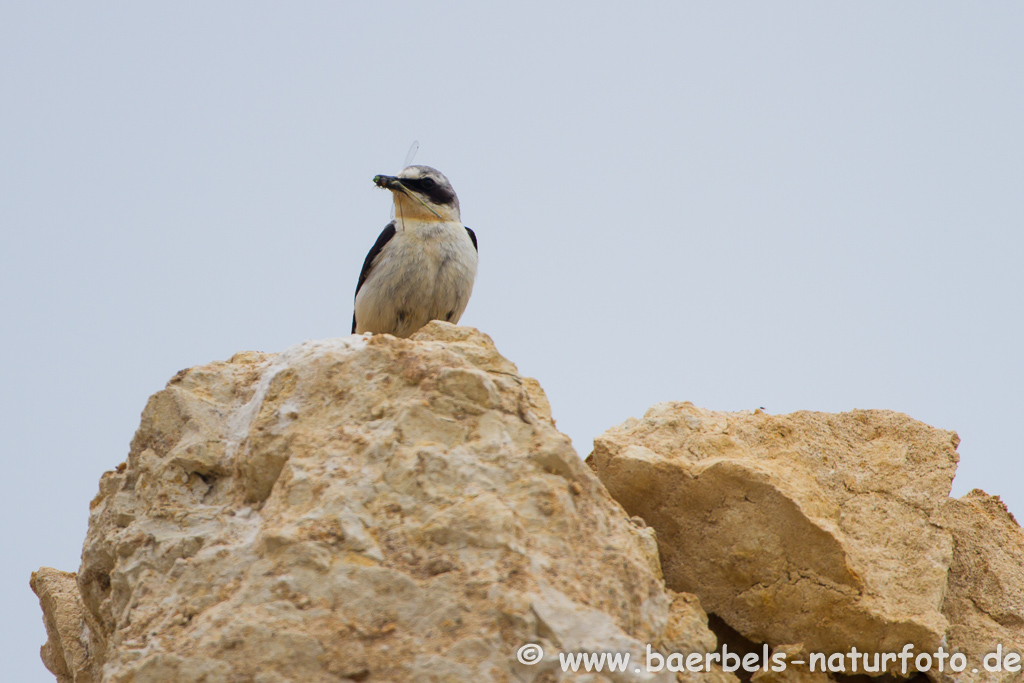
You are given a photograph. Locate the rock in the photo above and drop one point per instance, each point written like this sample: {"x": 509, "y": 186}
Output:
{"x": 985, "y": 595}
{"x": 806, "y": 528}
{"x": 70, "y": 638}
{"x": 792, "y": 673}
{"x": 358, "y": 509}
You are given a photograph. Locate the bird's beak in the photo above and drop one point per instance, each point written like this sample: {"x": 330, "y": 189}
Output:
{"x": 394, "y": 184}
{"x": 388, "y": 182}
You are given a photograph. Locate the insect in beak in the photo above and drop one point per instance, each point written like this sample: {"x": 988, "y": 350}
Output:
{"x": 394, "y": 184}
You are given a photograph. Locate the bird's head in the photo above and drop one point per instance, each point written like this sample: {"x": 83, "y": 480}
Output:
{"x": 421, "y": 193}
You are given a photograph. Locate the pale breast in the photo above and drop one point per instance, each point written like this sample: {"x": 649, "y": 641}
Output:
{"x": 424, "y": 273}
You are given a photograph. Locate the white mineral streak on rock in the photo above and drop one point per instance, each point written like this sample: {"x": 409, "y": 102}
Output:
{"x": 240, "y": 421}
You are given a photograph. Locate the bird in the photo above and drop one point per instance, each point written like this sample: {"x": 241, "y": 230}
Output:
{"x": 423, "y": 265}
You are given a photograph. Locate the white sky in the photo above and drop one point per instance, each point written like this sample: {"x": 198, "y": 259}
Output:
{"x": 789, "y": 205}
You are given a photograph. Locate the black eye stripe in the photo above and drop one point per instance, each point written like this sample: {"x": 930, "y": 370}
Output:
{"x": 417, "y": 184}
{"x": 436, "y": 193}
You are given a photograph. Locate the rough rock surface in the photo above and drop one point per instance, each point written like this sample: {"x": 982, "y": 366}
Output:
{"x": 985, "y": 597}
{"x": 812, "y": 528}
{"x": 359, "y": 509}
{"x": 794, "y": 673}
{"x": 70, "y": 638}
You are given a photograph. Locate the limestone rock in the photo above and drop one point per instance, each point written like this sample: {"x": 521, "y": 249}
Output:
{"x": 807, "y": 528}
{"x": 70, "y": 639}
{"x": 358, "y": 509}
{"x": 792, "y": 673}
{"x": 985, "y": 597}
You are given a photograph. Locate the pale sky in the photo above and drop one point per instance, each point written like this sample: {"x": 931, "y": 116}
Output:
{"x": 790, "y": 205}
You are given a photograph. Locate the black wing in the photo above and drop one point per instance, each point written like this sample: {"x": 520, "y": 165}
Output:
{"x": 385, "y": 237}
{"x": 472, "y": 236}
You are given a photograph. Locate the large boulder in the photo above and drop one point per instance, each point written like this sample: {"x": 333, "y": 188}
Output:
{"x": 811, "y": 529}
{"x": 358, "y": 509}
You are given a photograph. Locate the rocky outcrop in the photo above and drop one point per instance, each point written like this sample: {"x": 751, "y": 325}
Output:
{"x": 382, "y": 509}
{"x": 816, "y": 532}
{"x": 359, "y": 509}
